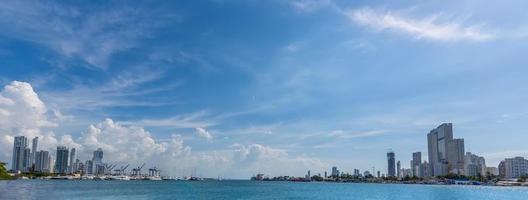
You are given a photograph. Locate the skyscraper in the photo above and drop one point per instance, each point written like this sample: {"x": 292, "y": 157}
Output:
{"x": 455, "y": 156}
{"x": 335, "y": 172}
{"x": 415, "y": 164}
{"x": 42, "y": 162}
{"x": 20, "y": 155}
{"x": 34, "y": 151}
{"x": 391, "y": 164}
{"x": 437, "y": 141}
{"x": 398, "y": 168}
{"x": 72, "y": 161}
{"x": 61, "y": 160}
{"x": 98, "y": 156}
{"x": 98, "y": 165}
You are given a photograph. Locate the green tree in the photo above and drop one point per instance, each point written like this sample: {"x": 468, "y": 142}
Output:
{"x": 3, "y": 172}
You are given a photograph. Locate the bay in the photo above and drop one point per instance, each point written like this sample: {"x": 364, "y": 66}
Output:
{"x": 231, "y": 189}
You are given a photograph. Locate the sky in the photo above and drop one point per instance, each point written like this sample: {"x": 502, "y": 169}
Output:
{"x": 234, "y": 88}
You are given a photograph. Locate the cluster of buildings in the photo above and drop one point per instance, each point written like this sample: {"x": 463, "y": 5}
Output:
{"x": 33, "y": 160}
{"x": 446, "y": 155}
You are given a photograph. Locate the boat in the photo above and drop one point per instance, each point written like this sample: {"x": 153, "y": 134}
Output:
{"x": 119, "y": 178}
{"x": 153, "y": 178}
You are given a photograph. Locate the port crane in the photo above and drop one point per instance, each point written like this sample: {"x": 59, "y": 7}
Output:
{"x": 121, "y": 170}
{"x": 137, "y": 171}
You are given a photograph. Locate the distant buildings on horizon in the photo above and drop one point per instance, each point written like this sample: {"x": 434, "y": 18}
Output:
{"x": 32, "y": 160}
{"x": 447, "y": 155}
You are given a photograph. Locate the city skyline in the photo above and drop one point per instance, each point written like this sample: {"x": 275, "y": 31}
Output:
{"x": 225, "y": 87}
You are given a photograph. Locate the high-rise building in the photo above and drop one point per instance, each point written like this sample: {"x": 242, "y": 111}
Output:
{"x": 79, "y": 167}
{"x": 437, "y": 141}
{"x": 99, "y": 167}
{"x": 446, "y": 155}
{"x": 98, "y": 155}
{"x": 42, "y": 162}
{"x": 61, "y": 160}
{"x": 89, "y": 167}
{"x": 474, "y": 165}
{"x": 398, "y": 169}
{"x": 335, "y": 172}
{"x": 21, "y": 156}
{"x": 72, "y": 168}
{"x": 513, "y": 167}
{"x": 415, "y": 164}
{"x": 391, "y": 160}
{"x": 34, "y": 151}
{"x": 455, "y": 156}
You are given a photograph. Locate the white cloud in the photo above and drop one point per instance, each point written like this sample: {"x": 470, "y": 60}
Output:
{"x": 23, "y": 113}
{"x": 114, "y": 93}
{"x": 430, "y": 27}
{"x": 204, "y": 133}
{"x": 191, "y": 120}
{"x": 257, "y": 158}
{"x": 74, "y": 33}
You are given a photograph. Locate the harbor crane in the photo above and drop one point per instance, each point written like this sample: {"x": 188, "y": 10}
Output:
{"x": 137, "y": 171}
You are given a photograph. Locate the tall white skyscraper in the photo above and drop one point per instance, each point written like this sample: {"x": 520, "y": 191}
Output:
{"x": 21, "y": 160}
{"x": 72, "y": 168}
{"x": 34, "y": 151}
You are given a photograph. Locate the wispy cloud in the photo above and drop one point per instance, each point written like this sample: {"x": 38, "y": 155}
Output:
{"x": 310, "y": 5}
{"x": 92, "y": 36}
{"x": 204, "y": 133}
{"x": 191, "y": 120}
{"x": 117, "y": 92}
{"x": 430, "y": 27}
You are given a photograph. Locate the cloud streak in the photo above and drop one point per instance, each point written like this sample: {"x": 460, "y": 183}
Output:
{"x": 75, "y": 33}
{"x": 431, "y": 27}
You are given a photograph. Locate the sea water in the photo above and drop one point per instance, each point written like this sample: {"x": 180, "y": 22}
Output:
{"x": 131, "y": 190}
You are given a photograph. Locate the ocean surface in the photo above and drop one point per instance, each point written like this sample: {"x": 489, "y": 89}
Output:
{"x": 130, "y": 190}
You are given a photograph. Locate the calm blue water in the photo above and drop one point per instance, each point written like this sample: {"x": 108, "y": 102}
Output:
{"x": 130, "y": 190}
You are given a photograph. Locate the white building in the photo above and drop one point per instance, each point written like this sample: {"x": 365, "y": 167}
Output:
{"x": 21, "y": 154}
{"x": 492, "y": 171}
{"x": 474, "y": 165}
{"x": 42, "y": 162}
{"x": 513, "y": 167}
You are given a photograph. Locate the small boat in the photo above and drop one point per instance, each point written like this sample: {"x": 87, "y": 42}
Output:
{"x": 153, "y": 178}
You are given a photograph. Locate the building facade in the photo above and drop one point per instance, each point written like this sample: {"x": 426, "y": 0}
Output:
{"x": 474, "y": 165}
{"x": 513, "y": 168}
{"x": 415, "y": 163}
{"x": 391, "y": 162}
{"x": 42, "y": 162}
{"x": 34, "y": 151}
{"x": 446, "y": 155}
{"x": 21, "y": 157}
{"x": 72, "y": 168}
{"x": 61, "y": 160}
{"x": 455, "y": 156}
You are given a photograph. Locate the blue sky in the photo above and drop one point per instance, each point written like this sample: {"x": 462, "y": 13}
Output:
{"x": 324, "y": 82}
